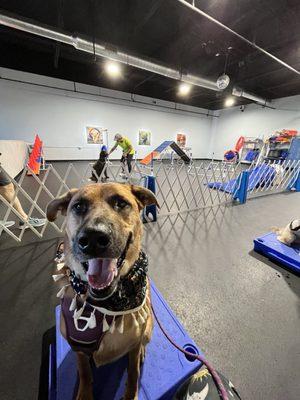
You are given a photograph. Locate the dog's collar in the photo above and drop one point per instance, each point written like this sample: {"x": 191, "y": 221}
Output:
{"x": 79, "y": 285}
{"x": 128, "y": 294}
{"x": 130, "y": 290}
{"x": 129, "y": 297}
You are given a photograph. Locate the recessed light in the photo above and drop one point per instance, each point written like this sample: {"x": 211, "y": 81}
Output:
{"x": 229, "y": 102}
{"x": 184, "y": 89}
{"x": 113, "y": 69}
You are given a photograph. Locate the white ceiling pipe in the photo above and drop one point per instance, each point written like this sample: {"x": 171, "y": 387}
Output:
{"x": 252, "y": 44}
{"x": 89, "y": 47}
{"x": 242, "y": 93}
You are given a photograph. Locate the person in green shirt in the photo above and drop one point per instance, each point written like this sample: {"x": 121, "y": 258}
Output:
{"x": 128, "y": 150}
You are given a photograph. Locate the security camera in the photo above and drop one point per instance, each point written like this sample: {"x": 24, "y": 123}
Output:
{"x": 242, "y": 108}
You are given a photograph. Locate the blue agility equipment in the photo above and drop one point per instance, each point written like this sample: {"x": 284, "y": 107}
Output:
{"x": 288, "y": 256}
{"x": 163, "y": 371}
{"x": 150, "y": 212}
{"x": 294, "y": 150}
{"x": 259, "y": 176}
{"x": 240, "y": 190}
{"x": 294, "y": 183}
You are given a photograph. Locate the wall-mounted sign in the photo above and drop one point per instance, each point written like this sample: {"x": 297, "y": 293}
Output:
{"x": 144, "y": 138}
{"x": 96, "y": 135}
{"x": 181, "y": 139}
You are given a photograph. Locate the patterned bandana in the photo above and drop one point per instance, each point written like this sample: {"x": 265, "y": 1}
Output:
{"x": 129, "y": 297}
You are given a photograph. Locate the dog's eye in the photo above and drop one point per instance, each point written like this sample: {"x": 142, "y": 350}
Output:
{"x": 80, "y": 208}
{"x": 119, "y": 203}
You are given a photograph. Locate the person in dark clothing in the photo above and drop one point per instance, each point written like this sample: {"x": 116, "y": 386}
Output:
{"x": 100, "y": 165}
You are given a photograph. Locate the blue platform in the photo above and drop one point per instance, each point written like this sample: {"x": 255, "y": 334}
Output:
{"x": 259, "y": 176}
{"x": 288, "y": 256}
{"x": 163, "y": 371}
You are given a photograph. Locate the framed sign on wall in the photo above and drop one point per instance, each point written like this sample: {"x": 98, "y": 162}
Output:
{"x": 144, "y": 138}
{"x": 96, "y": 135}
{"x": 181, "y": 139}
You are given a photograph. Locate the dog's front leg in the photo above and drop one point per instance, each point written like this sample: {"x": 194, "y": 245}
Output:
{"x": 134, "y": 362}
{"x": 85, "y": 391}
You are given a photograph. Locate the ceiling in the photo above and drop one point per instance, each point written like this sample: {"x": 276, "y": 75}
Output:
{"x": 166, "y": 32}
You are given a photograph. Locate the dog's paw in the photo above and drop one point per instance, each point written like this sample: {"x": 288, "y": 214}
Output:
{"x": 142, "y": 356}
{"x": 130, "y": 396}
{"x": 85, "y": 394}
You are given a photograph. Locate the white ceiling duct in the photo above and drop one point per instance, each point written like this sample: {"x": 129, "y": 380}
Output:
{"x": 89, "y": 47}
{"x": 242, "y": 93}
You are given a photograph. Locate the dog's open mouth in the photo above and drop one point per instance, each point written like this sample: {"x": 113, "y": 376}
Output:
{"x": 101, "y": 272}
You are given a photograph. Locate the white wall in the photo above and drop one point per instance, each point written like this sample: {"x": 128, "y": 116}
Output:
{"x": 60, "y": 118}
{"x": 13, "y": 155}
{"x": 255, "y": 121}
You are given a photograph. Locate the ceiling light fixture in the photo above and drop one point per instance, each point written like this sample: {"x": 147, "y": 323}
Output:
{"x": 229, "y": 102}
{"x": 223, "y": 81}
{"x": 113, "y": 69}
{"x": 184, "y": 89}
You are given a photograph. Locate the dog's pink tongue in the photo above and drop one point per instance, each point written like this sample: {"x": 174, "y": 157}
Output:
{"x": 101, "y": 272}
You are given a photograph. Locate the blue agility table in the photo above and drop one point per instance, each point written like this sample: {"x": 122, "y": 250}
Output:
{"x": 288, "y": 256}
{"x": 163, "y": 371}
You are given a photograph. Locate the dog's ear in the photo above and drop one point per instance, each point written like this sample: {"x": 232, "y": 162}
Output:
{"x": 144, "y": 197}
{"x": 59, "y": 204}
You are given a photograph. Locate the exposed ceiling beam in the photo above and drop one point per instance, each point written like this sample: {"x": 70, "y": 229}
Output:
{"x": 87, "y": 46}
{"x": 225, "y": 27}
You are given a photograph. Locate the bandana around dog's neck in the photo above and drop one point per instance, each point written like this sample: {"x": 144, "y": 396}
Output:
{"x": 129, "y": 297}
{"x": 129, "y": 292}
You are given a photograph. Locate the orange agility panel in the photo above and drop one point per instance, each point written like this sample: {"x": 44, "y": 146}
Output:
{"x": 149, "y": 157}
{"x": 34, "y": 162}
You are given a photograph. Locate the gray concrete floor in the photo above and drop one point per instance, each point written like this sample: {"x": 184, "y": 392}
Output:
{"x": 241, "y": 309}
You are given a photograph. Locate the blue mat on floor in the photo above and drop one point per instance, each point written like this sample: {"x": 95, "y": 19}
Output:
{"x": 259, "y": 176}
{"x": 163, "y": 371}
{"x": 288, "y": 256}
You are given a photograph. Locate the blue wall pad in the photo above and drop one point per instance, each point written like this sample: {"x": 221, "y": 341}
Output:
{"x": 258, "y": 176}
{"x": 150, "y": 210}
{"x": 269, "y": 246}
{"x": 164, "y": 369}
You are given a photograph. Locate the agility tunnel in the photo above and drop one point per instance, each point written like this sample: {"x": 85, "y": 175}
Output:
{"x": 259, "y": 176}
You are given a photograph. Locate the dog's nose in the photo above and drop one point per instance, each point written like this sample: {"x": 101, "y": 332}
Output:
{"x": 90, "y": 241}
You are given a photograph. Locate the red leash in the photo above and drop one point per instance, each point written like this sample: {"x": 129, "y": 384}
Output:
{"x": 210, "y": 368}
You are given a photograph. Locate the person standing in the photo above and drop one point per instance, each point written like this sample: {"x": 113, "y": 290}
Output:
{"x": 128, "y": 150}
{"x": 7, "y": 190}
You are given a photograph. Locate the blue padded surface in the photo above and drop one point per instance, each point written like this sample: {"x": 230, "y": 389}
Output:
{"x": 258, "y": 176}
{"x": 51, "y": 373}
{"x": 269, "y": 246}
{"x": 163, "y": 145}
{"x": 164, "y": 370}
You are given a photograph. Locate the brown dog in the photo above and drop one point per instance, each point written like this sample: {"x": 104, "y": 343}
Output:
{"x": 110, "y": 314}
